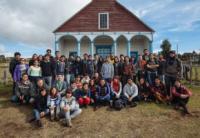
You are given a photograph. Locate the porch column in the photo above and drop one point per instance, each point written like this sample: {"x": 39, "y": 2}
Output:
{"x": 92, "y": 49}
{"x": 79, "y": 48}
{"x": 56, "y": 45}
{"x": 150, "y": 47}
{"x": 129, "y": 48}
{"x": 115, "y": 48}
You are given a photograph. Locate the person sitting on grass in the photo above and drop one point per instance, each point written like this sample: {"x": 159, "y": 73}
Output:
{"x": 103, "y": 93}
{"x": 23, "y": 91}
{"x": 40, "y": 109}
{"x": 116, "y": 90}
{"x": 84, "y": 96}
{"x": 60, "y": 85}
{"x": 130, "y": 92}
{"x": 160, "y": 92}
{"x": 181, "y": 96}
{"x": 93, "y": 93}
{"x": 40, "y": 86}
{"x": 53, "y": 102}
{"x": 78, "y": 82}
{"x": 69, "y": 107}
{"x": 144, "y": 91}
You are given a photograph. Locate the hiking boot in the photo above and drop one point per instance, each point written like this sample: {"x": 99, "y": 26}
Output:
{"x": 31, "y": 120}
{"x": 39, "y": 124}
{"x": 185, "y": 110}
{"x": 133, "y": 104}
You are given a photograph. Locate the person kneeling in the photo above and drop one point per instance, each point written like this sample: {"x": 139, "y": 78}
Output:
{"x": 144, "y": 91}
{"x": 181, "y": 96}
{"x": 130, "y": 93}
{"x": 160, "y": 92}
{"x": 53, "y": 102}
{"x": 69, "y": 107}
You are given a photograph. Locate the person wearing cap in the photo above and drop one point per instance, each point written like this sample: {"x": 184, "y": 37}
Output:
{"x": 103, "y": 92}
{"x": 20, "y": 69}
{"x": 69, "y": 107}
{"x": 181, "y": 96}
{"x": 172, "y": 71}
{"x": 130, "y": 93}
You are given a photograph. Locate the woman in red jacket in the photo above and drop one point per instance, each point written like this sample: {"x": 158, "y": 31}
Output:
{"x": 181, "y": 96}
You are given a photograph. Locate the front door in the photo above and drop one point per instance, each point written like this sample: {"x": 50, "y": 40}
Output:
{"x": 104, "y": 50}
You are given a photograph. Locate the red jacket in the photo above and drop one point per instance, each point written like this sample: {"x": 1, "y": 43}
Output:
{"x": 176, "y": 92}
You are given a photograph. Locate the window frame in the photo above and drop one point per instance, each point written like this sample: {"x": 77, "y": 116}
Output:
{"x": 99, "y": 20}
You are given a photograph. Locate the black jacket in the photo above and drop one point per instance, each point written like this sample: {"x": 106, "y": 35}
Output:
{"x": 12, "y": 66}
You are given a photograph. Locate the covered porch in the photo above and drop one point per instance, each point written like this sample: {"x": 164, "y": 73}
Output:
{"x": 103, "y": 44}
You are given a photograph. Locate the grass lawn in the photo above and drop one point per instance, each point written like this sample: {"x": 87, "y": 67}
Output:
{"x": 145, "y": 120}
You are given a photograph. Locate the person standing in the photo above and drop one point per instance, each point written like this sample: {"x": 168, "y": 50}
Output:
{"x": 172, "y": 71}
{"x": 47, "y": 70}
{"x": 14, "y": 62}
{"x": 107, "y": 70}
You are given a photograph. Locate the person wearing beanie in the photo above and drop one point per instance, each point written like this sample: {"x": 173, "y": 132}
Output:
{"x": 172, "y": 71}
{"x": 69, "y": 107}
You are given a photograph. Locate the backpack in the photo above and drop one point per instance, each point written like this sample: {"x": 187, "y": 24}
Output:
{"x": 118, "y": 104}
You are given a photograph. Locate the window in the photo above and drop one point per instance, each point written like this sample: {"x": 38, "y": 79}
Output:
{"x": 103, "y": 20}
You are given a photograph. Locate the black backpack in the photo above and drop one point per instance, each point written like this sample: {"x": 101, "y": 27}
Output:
{"x": 119, "y": 104}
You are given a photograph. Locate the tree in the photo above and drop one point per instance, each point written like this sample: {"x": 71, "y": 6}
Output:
{"x": 166, "y": 47}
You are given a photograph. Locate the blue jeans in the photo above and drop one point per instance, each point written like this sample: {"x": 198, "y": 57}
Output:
{"x": 69, "y": 78}
{"x": 36, "y": 113}
{"x": 151, "y": 77}
{"x": 72, "y": 113}
{"x": 48, "y": 81}
{"x": 15, "y": 99}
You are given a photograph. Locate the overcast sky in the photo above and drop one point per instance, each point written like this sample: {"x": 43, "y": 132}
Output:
{"x": 27, "y": 25}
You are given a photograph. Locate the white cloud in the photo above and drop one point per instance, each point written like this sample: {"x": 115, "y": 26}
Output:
{"x": 33, "y": 21}
{"x": 4, "y": 52}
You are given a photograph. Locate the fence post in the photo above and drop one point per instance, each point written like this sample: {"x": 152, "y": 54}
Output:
{"x": 191, "y": 72}
{"x": 5, "y": 76}
{"x": 196, "y": 74}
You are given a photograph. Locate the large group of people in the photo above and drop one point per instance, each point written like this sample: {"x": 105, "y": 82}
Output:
{"x": 60, "y": 87}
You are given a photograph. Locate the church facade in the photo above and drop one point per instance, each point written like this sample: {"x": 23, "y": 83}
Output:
{"x": 103, "y": 27}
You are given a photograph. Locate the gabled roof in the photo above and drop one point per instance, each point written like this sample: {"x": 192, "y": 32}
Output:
{"x": 120, "y": 19}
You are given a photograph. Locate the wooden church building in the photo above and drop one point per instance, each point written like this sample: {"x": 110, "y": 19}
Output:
{"x": 103, "y": 27}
